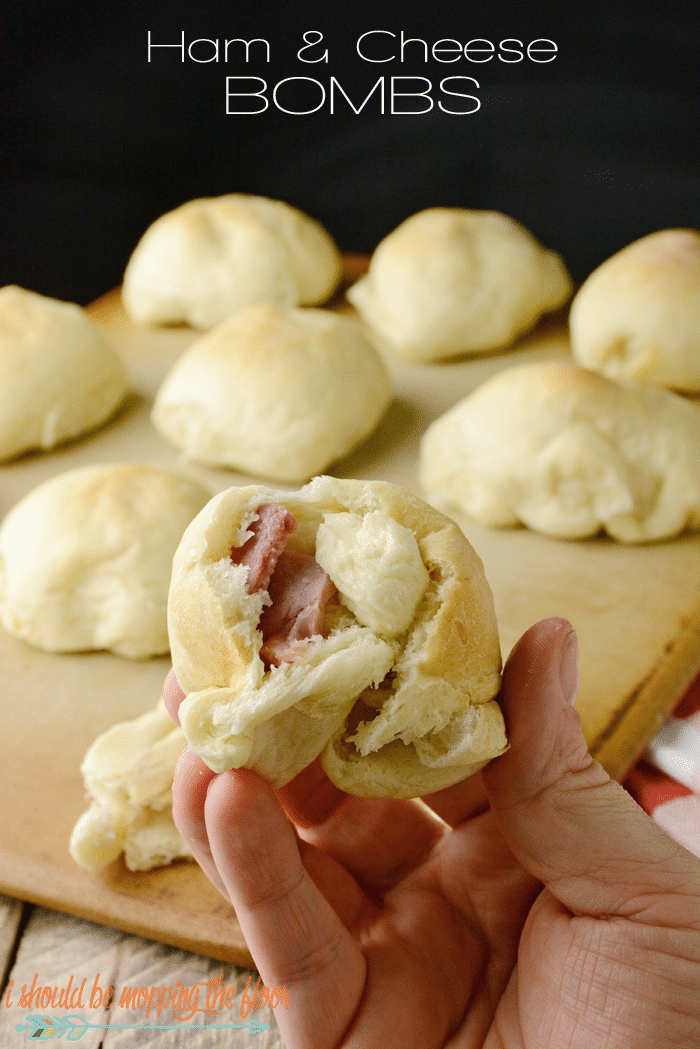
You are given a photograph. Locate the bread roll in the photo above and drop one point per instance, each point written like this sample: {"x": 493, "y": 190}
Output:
{"x": 85, "y": 558}
{"x": 393, "y": 682}
{"x": 128, "y": 773}
{"x": 210, "y": 257}
{"x": 276, "y": 392}
{"x": 568, "y": 453}
{"x": 59, "y": 376}
{"x": 449, "y": 281}
{"x": 638, "y": 315}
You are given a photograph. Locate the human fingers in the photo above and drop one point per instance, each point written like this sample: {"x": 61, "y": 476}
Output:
{"x": 190, "y": 785}
{"x": 378, "y": 840}
{"x": 568, "y": 823}
{"x": 293, "y": 932}
{"x": 461, "y": 801}
{"x": 310, "y": 798}
{"x": 172, "y": 696}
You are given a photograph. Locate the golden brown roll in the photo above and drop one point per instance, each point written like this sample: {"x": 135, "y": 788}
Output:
{"x": 277, "y": 392}
{"x": 212, "y": 256}
{"x": 59, "y": 375}
{"x": 568, "y": 453}
{"x": 451, "y": 281}
{"x": 128, "y": 774}
{"x": 638, "y": 314}
{"x": 85, "y": 558}
{"x": 348, "y": 619}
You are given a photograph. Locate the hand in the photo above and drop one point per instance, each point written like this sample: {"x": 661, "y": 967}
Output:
{"x": 547, "y": 911}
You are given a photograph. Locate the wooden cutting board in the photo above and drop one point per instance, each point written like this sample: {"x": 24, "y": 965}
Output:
{"x": 636, "y": 611}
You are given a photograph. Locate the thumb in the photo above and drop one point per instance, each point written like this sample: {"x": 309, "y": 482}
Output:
{"x": 569, "y": 824}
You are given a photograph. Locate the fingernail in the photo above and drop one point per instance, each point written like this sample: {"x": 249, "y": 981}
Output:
{"x": 568, "y": 667}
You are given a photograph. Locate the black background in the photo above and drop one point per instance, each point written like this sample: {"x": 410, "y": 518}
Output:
{"x": 590, "y": 151}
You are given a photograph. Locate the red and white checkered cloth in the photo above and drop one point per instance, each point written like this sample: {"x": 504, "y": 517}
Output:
{"x": 666, "y": 782}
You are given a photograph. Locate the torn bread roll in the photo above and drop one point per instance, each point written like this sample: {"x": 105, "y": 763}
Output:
{"x": 638, "y": 314}
{"x": 568, "y": 453}
{"x": 210, "y": 257}
{"x": 128, "y": 774}
{"x": 86, "y": 556}
{"x": 277, "y": 392}
{"x": 59, "y": 375}
{"x": 453, "y": 281}
{"x": 348, "y": 619}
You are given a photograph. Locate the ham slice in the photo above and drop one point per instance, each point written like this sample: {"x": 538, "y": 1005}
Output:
{"x": 259, "y": 553}
{"x": 300, "y": 591}
{"x": 298, "y": 587}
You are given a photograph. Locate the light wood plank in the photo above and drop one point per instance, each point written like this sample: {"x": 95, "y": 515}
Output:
{"x": 60, "y": 951}
{"x": 11, "y": 912}
{"x": 57, "y": 951}
{"x": 143, "y": 963}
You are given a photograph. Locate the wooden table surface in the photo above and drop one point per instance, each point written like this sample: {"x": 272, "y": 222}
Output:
{"x": 39, "y": 943}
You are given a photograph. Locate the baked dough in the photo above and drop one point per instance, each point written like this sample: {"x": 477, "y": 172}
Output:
{"x": 450, "y": 281}
{"x": 274, "y": 391}
{"x": 210, "y": 257}
{"x": 128, "y": 775}
{"x": 85, "y": 558}
{"x": 396, "y": 692}
{"x": 569, "y": 453}
{"x": 59, "y": 376}
{"x": 638, "y": 315}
